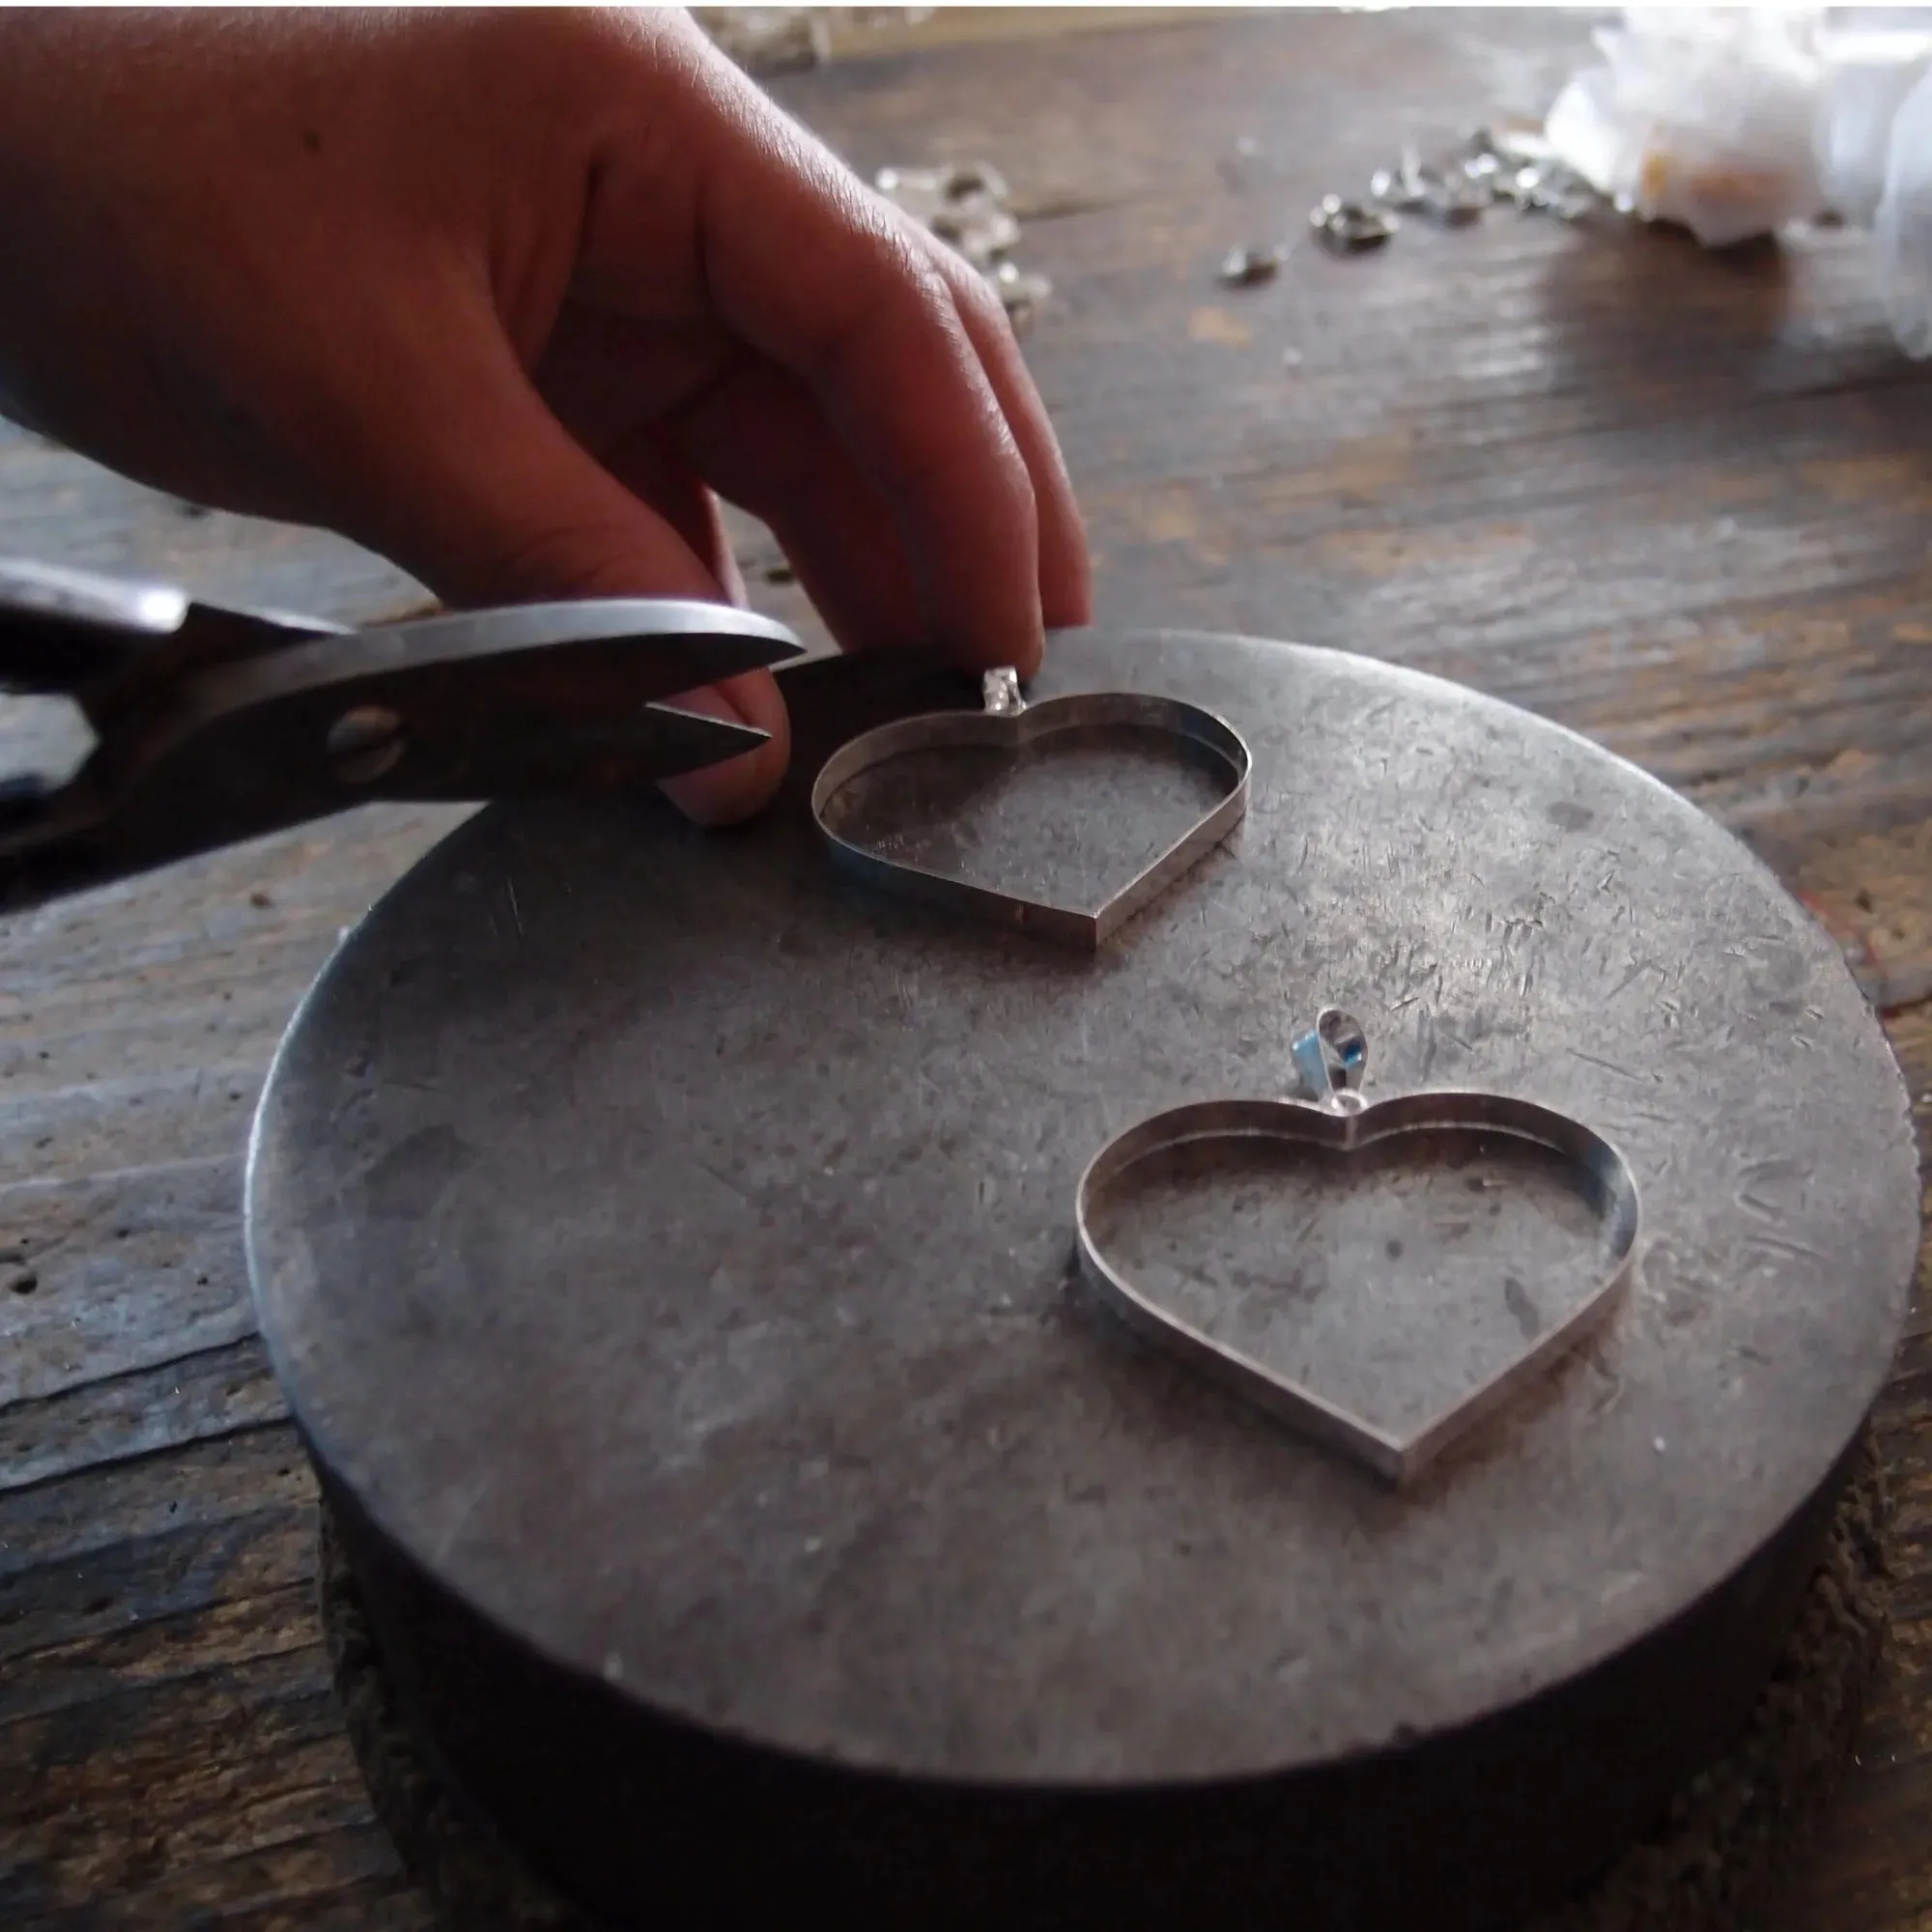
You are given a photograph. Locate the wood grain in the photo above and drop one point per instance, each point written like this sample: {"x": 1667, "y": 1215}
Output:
{"x": 1678, "y": 501}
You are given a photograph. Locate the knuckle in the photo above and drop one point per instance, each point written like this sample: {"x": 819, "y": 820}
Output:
{"x": 595, "y": 51}
{"x": 890, "y": 293}
{"x": 548, "y": 560}
{"x": 894, "y": 256}
{"x": 979, "y": 303}
{"x": 885, "y": 253}
{"x": 591, "y": 31}
{"x": 923, "y": 300}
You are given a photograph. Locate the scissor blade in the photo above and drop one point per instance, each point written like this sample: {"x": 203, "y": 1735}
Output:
{"x": 656, "y": 648}
{"x": 512, "y": 756}
{"x": 122, "y": 640}
{"x": 694, "y": 740}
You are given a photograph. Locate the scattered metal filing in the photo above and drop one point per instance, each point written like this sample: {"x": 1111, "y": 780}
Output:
{"x": 771, "y": 40}
{"x": 1022, "y": 290}
{"x": 1452, "y": 195}
{"x": 766, "y": 40}
{"x": 1516, "y": 167}
{"x": 1248, "y": 266}
{"x": 1349, "y": 227}
{"x": 968, "y": 209}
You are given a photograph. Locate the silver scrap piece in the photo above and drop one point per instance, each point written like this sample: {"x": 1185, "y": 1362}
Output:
{"x": 1454, "y": 194}
{"x": 1247, "y": 267}
{"x": 1391, "y": 188}
{"x": 1404, "y": 188}
{"x": 1521, "y": 187}
{"x": 1351, "y": 227}
{"x": 1021, "y": 290}
{"x": 981, "y": 233}
{"x": 769, "y": 41}
{"x": 925, "y": 193}
{"x": 1549, "y": 187}
{"x": 1566, "y": 195}
{"x": 1453, "y": 199}
{"x": 1517, "y": 166}
{"x": 1512, "y": 146}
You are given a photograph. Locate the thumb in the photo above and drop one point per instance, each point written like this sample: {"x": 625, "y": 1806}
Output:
{"x": 479, "y": 492}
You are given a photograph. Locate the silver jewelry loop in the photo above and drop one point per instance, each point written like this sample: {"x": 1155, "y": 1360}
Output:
{"x": 1331, "y": 1060}
{"x": 1000, "y": 693}
{"x": 1349, "y": 227}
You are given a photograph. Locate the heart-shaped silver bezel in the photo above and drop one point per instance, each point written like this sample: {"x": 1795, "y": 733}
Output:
{"x": 1343, "y": 1123}
{"x": 1009, "y": 725}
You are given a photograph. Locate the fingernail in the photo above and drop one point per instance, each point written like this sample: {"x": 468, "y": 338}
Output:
{"x": 1027, "y": 657}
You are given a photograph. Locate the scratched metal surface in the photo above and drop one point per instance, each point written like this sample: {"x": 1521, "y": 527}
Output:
{"x": 669, "y": 1245}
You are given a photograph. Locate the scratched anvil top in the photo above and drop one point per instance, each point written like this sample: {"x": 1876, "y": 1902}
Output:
{"x": 670, "y": 1243}
{"x": 1677, "y": 501}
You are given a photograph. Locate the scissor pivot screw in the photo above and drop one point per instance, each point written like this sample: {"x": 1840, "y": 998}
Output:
{"x": 366, "y": 743}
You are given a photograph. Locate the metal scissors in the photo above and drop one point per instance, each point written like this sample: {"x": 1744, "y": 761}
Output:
{"x": 214, "y": 725}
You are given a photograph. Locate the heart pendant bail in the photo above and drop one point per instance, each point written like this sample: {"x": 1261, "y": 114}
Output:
{"x": 1331, "y": 1060}
{"x": 1000, "y": 693}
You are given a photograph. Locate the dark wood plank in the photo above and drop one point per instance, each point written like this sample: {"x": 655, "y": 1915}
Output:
{"x": 1677, "y": 501}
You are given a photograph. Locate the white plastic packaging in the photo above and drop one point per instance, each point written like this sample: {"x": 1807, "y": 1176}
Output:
{"x": 1700, "y": 116}
{"x": 1738, "y": 122}
{"x": 1903, "y": 223}
{"x": 1868, "y": 75}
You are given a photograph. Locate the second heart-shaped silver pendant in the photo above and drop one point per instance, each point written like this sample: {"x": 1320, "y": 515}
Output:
{"x": 1009, "y": 724}
{"x": 1314, "y": 1149}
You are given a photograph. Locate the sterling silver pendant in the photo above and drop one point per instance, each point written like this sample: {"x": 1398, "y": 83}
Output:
{"x": 1330, "y": 1118}
{"x": 1009, "y": 724}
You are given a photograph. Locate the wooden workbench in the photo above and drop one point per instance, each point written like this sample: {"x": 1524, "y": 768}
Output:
{"x": 1680, "y": 502}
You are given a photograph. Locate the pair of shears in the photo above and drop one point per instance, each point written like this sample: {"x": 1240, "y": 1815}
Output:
{"x": 213, "y": 723}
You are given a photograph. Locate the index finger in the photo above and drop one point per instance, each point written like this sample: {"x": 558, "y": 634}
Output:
{"x": 1065, "y": 574}
{"x": 817, "y": 272}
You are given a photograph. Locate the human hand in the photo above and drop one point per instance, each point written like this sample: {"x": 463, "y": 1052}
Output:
{"x": 506, "y": 297}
